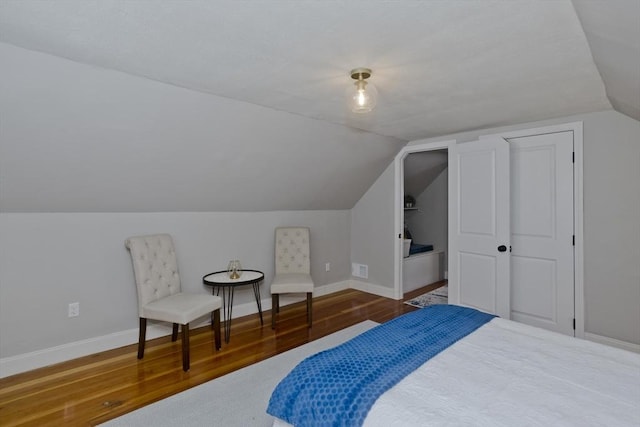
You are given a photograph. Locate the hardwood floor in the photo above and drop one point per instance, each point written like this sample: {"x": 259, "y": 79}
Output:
{"x": 96, "y": 388}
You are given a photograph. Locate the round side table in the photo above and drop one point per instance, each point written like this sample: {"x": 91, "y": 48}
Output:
{"x": 220, "y": 280}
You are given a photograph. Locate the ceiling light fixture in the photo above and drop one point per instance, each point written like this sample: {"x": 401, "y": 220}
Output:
{"x": 365, "y": 96}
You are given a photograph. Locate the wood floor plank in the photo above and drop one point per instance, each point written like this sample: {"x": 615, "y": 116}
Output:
{"x": 96, "y": 388}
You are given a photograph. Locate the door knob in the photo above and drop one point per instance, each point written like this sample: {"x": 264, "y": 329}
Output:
{"x": 502, "y": 248}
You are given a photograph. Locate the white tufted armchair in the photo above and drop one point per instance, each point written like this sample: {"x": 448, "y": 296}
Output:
{"x": 293, "y": 268}
{"x": 159, "y": 292}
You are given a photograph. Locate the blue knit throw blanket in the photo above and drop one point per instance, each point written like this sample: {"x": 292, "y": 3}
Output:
{"x": 337, "y": 387}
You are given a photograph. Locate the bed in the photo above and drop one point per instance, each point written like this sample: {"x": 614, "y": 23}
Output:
{"x": 487, "y": 372}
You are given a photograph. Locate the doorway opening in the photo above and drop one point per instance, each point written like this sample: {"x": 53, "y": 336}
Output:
{"x": 421, "y": 216}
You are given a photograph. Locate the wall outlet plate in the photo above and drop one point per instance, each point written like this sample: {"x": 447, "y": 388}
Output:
{"x": 74, "y": 309}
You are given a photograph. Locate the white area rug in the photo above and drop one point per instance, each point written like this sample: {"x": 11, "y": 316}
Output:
{"x": 236, "y": 399}
{"x": 437, "y": 296}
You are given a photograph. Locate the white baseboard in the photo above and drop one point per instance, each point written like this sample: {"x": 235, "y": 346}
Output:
{"x": 251, "y": 308}
{"x": 372, "y": 289}
{"x": 61, "y": 353}
{"x": 331, "y": 288}
{"x": 612, "y": 342}
{"x": 49, "y": 356}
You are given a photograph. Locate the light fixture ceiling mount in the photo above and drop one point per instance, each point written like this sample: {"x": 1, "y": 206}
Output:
{"x": 360, "y": 73}
{"x": 365, "y": 97}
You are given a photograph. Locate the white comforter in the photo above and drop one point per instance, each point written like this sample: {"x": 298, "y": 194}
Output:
{"x": 511, "y": 374}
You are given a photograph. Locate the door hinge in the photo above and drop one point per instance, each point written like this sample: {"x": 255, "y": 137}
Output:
{"x": 574, "y": 324}
{"x": 573, "y": 240}
{"x": 573, "y": 157}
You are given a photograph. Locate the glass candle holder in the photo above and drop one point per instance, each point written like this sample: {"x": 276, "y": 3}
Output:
{"x": 234, "y": 269}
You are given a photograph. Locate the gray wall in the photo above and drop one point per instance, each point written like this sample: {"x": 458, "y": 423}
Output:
{"x": 612, "y": 226}
{"x": 372, "y": 230}
{"x": 611, "y": 221}
{"x": 50, "y": 260}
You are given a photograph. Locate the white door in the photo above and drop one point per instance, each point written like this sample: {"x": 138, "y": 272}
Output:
{"x": 542, "y": 277}
{"x": 479, "y": 229}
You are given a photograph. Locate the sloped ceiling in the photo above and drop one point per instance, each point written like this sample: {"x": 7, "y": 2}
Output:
{"x": 239, "y": 106}
{"x": 421, "y": 169}
{"x": 613, "y": 31}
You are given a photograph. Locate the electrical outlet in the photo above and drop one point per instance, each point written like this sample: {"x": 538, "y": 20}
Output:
{"x": 327, "y": 267}
{"x": 74, "y": 309}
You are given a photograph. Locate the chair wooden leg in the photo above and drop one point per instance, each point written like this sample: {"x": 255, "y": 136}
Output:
{"x": 142, "y": 337}
{"x": 185, "y": 347}
{"x": 275, "y": 308}
{"x": 309, "y": 308}
{"x": 216, "y": 328}
{"x": 174, "y": 333}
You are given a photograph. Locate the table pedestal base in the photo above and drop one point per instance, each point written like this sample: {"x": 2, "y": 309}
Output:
{"x": 227, "y": 305}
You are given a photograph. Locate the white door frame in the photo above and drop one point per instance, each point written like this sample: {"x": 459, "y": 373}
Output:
{"x": 578, "y": 207}
{"x": 417, "y": 147}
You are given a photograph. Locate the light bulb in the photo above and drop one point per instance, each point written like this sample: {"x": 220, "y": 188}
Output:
{"x": 363, "y": 98}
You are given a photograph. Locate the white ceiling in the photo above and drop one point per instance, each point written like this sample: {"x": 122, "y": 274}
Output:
{"x": 440, "y": 67}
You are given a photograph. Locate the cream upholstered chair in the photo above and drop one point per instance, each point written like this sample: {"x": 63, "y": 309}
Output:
{"x": 159, "y": 292}
{"x": 293, "y": 268}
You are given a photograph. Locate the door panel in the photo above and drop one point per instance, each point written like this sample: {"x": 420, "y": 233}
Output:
{"x": 480, "y": 294}
{"x": 542, "y": 277}
{"x": 532, "y": 190}
{"x": 534, "y": 294}
{"x": 477, "y": 193}
{"x": 479, "y": 202}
